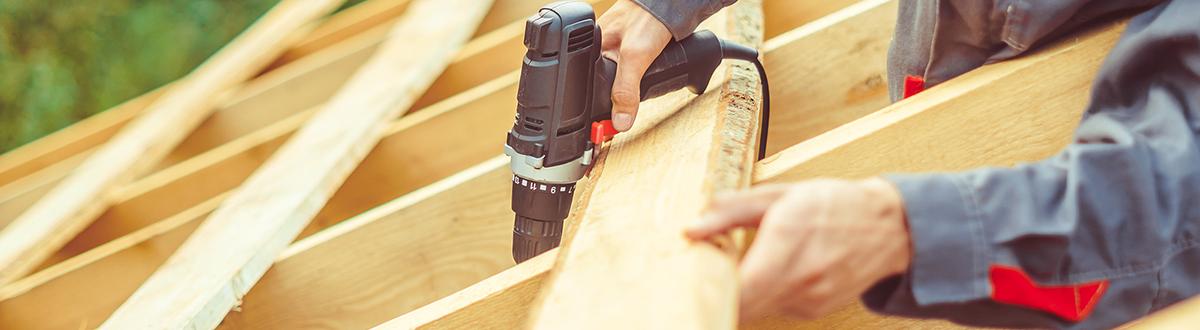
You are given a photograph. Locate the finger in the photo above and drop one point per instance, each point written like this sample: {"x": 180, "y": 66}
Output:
{"x": 635, "y": 57}
{"x": 734, "y": 209}
{"x": 765, "y": 271}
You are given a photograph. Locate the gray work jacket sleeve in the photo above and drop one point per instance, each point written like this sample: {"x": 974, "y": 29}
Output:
{"x": 683, "y": 16}
{"x": 1117, "y": 211}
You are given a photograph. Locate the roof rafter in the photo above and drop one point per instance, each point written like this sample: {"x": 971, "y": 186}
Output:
{"x": 231, "y": 250}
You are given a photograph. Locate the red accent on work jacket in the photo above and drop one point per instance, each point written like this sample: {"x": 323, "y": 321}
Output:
{"x": 1011, "y": 285}
{"x": 913, "y": 85}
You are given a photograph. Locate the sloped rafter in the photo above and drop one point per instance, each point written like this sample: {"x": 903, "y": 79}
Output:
{"x": 231, "y": 250}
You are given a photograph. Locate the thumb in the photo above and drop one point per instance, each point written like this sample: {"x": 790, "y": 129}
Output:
{"x": 735, "y": 209}
{"x": 626, "y": 92}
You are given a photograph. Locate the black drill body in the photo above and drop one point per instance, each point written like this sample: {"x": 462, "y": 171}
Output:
{"x": 565, "y": 87}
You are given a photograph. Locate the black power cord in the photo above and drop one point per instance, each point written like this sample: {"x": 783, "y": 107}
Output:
{"x": 739, "y": 52}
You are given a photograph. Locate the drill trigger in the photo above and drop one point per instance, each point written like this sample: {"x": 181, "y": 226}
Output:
{"x": 602, "y": 131}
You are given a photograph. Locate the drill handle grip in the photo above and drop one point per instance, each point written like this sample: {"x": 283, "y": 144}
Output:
{"x": 686, "y": 63}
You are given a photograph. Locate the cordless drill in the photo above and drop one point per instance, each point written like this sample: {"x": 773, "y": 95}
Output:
{"x": 564, "y": 110}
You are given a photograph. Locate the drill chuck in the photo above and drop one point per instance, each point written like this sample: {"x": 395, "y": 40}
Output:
{"x": 532, "y": 237}
{"x": 541, "y": 209}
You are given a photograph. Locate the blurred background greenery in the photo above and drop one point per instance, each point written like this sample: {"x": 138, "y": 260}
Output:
{"x": 64, "y": 60}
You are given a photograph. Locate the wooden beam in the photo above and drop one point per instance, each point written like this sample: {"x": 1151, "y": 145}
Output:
{"x": 697, "y": 146}
{"x": 990, "y": 110}
{"x": 227, "y": 254}
{"x": 84, "y": 194}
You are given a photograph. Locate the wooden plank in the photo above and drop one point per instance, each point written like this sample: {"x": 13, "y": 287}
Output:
{"x": 426, "y": 245}
{"x": 227, "y": 254}
{"x": 989, "y": 110}
{"x": 84, "y": 194}
{"x": 1181, "y": 315}
{"x": 698, "y": 146}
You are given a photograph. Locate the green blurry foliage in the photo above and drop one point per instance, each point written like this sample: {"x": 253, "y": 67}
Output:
{"x": 64, "y": 60}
